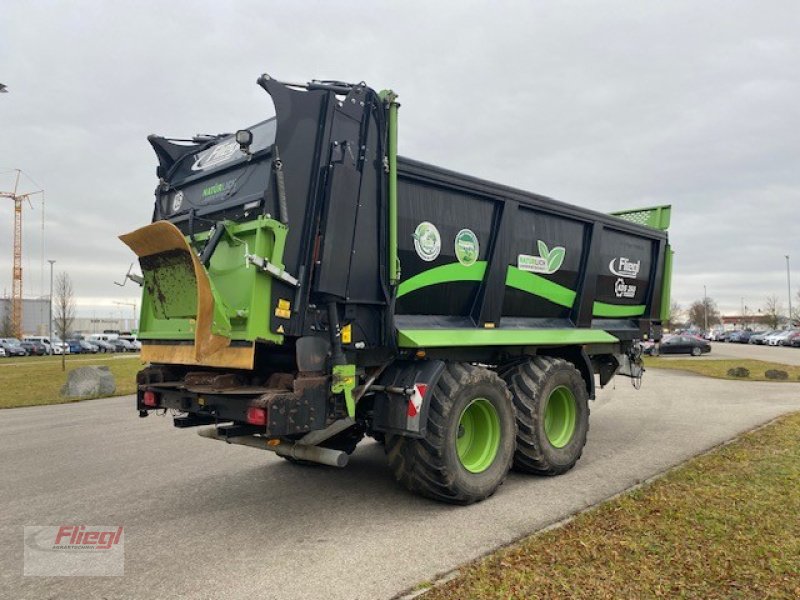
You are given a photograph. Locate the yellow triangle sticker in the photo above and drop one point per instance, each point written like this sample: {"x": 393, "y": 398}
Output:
{"x": 280, "y": 329}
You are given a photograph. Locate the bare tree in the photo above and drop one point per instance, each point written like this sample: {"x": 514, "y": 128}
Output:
{"x": 64, "y": 311}
{"x": 773, "y": 311}
{"x": 699, "y": 310}
{"x": 796, "y": 308}
{"x": 6, "y": 326}
{"x": 675, "y": 315}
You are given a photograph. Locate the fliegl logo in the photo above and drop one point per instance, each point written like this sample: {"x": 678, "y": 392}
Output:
{"x": 215, "y": 156}
{"x": 74, "y": 550}
{"x": 79, "y": 537}
{"x": 625, "y": 267}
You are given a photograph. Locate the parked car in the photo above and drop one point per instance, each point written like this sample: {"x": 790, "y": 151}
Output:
{"x": 121, "y": 345}
{"x": 12, "y": 347}
{"x": 81, "y": 347}
{"x": 680, "y": 344}
{"x": 34, "y": 348}
{"x": 2, "y": 351}
{"x": 758, "y": 338}
{"x": 103, "y": 346}
{"x": 88, "y": 347}
{"x": 776, "y": 338}
{"x": 789, "y": 339}
{"x": 740, "y": 337}
{"x": 137, "y": 345}
{"x": 54, "y": 346}
{"x": 59, "y": 346}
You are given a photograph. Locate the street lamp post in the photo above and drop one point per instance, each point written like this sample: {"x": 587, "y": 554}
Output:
{"x": 50, "y": 328}
{"x": 789, "y": 286}
{"x": 705, "y": 309}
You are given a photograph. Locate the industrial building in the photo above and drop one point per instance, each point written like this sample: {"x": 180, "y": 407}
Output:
{"x": 35, "y": 313}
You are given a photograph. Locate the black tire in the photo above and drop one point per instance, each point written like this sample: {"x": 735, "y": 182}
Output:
{"x": 531, "y": 384}
{"x": 696, "y": 351}
{"x": 431, "y": 466}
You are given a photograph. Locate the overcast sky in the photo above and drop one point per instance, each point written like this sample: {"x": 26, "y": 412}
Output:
{"x": 608, "y": 105}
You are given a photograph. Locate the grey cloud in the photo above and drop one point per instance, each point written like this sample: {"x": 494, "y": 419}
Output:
{"x": 609, "y": 106}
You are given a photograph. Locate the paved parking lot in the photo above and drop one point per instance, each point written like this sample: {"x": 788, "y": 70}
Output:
{"x": 779, "y": 354}
{"x": 205, "y": 520}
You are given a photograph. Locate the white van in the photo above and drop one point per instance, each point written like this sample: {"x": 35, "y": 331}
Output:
{"x": 103, "y": 337}
{"x": 55, "y": 346}
{"x": 137, "y": 345}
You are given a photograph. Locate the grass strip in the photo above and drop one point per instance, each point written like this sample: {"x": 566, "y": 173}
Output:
{"x": 33, "y": 381}
{"x": 719, "y": 368}
{"x": 724, "y": 525}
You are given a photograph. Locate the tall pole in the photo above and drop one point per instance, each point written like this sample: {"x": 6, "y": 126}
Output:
{"x": 705, "y": 309}
{"x": 16, "y": 272}
{"x": 742, "y": 313}
{"x": 789, "y": 286}
{"x": 51, "y": 303}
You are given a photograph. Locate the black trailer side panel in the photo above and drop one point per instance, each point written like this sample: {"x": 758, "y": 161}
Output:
{"x": 448, "y": 227}
{"x": 436, "y": 225}
{"x": 544, "y": 265}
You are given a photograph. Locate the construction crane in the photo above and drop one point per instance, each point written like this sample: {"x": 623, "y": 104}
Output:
{"x": 133, "y": 305}
{"x": 16, "y": 293}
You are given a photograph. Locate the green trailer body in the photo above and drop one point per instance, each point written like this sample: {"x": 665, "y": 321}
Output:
{"x": 304, "y": 286}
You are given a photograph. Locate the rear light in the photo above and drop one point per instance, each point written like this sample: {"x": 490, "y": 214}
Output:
{"x": 150, "y": 399}
{"x": 256, "y": 416}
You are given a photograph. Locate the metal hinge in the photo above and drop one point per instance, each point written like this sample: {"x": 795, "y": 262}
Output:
{"x": 267, "y": 267}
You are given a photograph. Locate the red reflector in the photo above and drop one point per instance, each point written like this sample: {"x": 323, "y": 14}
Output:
{"x": 150, "y": 398}
{"x": 256, "y": 416}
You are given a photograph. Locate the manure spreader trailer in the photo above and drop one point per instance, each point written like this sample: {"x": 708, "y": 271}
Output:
{"x": 304, "y": 286}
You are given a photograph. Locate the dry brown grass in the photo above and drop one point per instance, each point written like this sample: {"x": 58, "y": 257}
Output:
{"x": 725, "y": 525}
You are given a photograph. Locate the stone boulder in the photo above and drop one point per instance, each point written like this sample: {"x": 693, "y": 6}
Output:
{"x": 739, "y": 372}
{"x": 779, "y": 374}
{"x": 89, "y": 381}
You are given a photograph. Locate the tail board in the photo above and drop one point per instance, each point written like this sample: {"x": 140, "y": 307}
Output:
{"x": 180, "y": 303}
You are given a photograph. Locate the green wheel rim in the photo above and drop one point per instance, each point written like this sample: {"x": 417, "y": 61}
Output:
{"x": 478, "y": 435}
{"x": 560, "y": 416}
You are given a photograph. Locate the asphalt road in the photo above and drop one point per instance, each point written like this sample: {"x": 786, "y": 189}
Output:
{"x": 204, "y": 520}
{"x": 778, "y": 354}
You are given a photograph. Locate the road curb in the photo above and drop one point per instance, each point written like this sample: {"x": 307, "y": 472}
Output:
{"x": 448, "y": 576}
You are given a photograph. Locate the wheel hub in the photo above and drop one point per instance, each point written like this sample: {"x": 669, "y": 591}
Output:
{"x": 560, "y": 416}
{"x": 478, "y": 437}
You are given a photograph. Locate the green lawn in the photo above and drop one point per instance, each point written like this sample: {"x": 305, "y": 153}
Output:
{"x": 725, "y": 525}
{"x": 35, "y": 380}
{"x": 719, "y": 368}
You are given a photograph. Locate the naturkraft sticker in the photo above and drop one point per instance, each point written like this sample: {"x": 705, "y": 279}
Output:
{"x": 548, "y": 262}
{"x": 467, "y": 247}
{"x": 427, "y": 241}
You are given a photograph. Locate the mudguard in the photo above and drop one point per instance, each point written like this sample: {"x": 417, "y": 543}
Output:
{"x": 406, "y": 414}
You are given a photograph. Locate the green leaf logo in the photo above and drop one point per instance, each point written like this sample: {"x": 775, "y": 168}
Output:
{"x": 543, "y": 251}
{"x": 555, "y": 259}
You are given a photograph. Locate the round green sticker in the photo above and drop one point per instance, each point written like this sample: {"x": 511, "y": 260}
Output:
{"x": 427, "y": 241}
{"x": 467, "y": 247}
